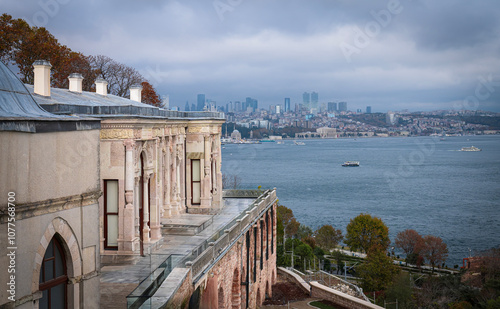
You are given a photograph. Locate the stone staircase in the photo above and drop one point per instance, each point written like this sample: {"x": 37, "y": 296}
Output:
{"x": 185, "y": 224}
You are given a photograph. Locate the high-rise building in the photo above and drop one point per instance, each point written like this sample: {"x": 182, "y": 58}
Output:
{"x": 200, "y": 102}
{"x": 186, "y": 108}
{"x": 332, "y": 106}
{"x": 306, "y": 98}
{"x": 368, "y": 109}
{"x": 249, "y": 102}
{"x": 314, "y": 98}
{"x": 287, "y": 105}
{"x": 342, "y": 106}
{"x": 390, "y": 118}
{"x": 193, "y": 107}
{"x": 278, "y": 109}
{"x": 237, "y": 106}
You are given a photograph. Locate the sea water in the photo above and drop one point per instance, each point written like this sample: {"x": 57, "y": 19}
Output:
{"x": 420, "y": 183}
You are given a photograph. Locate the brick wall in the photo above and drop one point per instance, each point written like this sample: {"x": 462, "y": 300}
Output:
{"x": 224, "y": 285}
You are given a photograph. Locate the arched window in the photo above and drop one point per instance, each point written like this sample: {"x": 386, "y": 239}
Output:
{"x": 53, "y": 277}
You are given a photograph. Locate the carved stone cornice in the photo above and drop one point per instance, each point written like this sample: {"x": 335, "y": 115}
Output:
{"x": 29, "y": 210}
{"x": 116, "y": 133}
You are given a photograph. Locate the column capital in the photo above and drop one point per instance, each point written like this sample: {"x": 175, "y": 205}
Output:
{"x": 129, "y": 144}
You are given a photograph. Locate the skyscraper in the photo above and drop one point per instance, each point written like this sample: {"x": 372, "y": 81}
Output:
{"x": 314, "y": 98}
{"x": 368, "y": 109}
{"x": 332, "y": 106}
{"x": 287, "y": 105}
{"x": 253, "y": 103}
{"x": 201, "y": 102}
{"x": 306, "y": 98}
{"x": 186, "y": 108}
{"x": 342, "y": 106}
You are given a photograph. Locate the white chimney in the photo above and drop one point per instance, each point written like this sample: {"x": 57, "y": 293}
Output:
{"x": 75, "y": 82}
{"x": 42, "y": 77}
{"x": 135, "y": 93}
{"x": 101, "y": 86}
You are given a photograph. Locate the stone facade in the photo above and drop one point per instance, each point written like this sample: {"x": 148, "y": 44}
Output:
{"x": 152, "y": 161}
{"x": 55, "y": 179}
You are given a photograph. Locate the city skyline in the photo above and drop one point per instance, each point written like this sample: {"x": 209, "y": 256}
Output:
{"x": 390, "y": 55}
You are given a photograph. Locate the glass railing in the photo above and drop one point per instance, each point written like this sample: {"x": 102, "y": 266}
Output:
{"x": 140, "y": 297}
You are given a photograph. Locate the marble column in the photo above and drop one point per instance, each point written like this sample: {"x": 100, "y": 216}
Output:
{"x": 182, "y": 174}
{"x": 173, "y": 176}
{"x": 217, "y": 195}
{"x": 145, "y": 208}
{"x": 166, "y": 176}
{"x": 137, "y": 202}
{"x": 129, "y": 211}
{"x": 205, "y": 181}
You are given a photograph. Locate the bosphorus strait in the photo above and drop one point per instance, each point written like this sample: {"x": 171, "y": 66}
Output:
{"x": 421, "y": 183}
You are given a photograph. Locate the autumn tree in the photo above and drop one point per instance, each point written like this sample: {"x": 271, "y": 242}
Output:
{"x": 327, "y": 237}
{"x": 304, "y": 231}
{"x": 410, "y": 242}
{"x": 120, "y": 77}
{"x": 22, "y": 45}
{"x": 149, "y": 95}
{"x": 434, "y": 250}
{"x": 378, "y": 270}
{"x": 287, "y": 220}
{"x": 12, "y": 32}
{"x": 366, "y": 231}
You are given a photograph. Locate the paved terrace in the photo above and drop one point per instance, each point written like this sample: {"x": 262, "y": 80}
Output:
{"x": 121, "y": 278}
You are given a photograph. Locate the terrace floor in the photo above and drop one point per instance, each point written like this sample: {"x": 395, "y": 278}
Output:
{"x": 119, "y": 280}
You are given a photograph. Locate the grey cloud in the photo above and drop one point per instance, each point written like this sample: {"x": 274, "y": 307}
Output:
{"x": 429, "y": 55}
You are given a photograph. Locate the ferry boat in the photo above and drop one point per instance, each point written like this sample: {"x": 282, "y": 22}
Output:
{"x": 351, "y": 163}
{"x": 471, "y": 148}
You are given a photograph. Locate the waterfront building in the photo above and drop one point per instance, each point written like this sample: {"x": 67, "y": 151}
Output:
{"x": 236, "y": 135}
{"x": 326, "y": 132}
{"x": 106, "y": 192}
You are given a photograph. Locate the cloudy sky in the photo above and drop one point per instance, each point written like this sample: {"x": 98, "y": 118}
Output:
{"x": 389, "y": 54}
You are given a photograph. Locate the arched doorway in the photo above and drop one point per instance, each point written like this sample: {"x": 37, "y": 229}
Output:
{"x": 53, "y": 277}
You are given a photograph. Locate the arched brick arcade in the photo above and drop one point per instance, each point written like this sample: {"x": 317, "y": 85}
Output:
{"x": 243, "y": 277}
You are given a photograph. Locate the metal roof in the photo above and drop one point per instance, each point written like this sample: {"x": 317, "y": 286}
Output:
{"x": 20, "y": 112}
{"x": 63, "y": 101}
{"x": 16, "y": 101}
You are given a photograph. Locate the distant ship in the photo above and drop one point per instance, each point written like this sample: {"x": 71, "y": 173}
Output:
{"x": 471, "y": 148}
{"x": 351, "y": 163}
{"x": 266, "y": 140}
{"x": 299, "y": 143}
